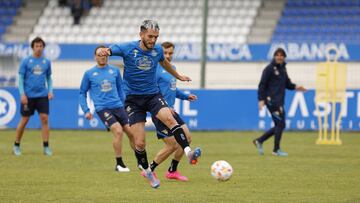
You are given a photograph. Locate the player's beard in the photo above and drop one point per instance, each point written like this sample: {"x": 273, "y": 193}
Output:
{"x": 146, "y": 46}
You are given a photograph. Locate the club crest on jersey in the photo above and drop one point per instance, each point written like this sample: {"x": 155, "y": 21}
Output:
{"x": 154, "y": 53}
{"x": 144, "y": 63}
{"x": 106, "y": 86}
{"x": 37, "y": 70}
{"x": 95, "y": 74}
{"x": 111, "y": 71}
{"x": 165, "y": 131}
{"x": 44, "y": 61}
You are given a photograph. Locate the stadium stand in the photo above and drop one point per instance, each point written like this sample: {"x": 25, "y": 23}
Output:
{"x": 28, "y": 12}
{"x": 319, "y": 21}
{"x": 229, "y": 21}
{"x": 8, "y": 10}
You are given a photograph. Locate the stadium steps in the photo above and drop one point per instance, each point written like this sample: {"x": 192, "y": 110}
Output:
{"x": 266, "y": 21}
{"x": 25, "y": 21}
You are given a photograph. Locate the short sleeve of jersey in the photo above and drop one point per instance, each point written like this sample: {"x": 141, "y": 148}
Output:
{"x": 161, "y": 54}
{"x": 22, "y": 69}
{"x": 118, "y": 49}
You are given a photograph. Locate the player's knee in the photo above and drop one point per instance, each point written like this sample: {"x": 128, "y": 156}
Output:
{"x": 140, "y": 144}
{"x": 44, "y": 119}
{"x": 25, "y": 120}
{"x": 118, "y": 132}
{"x": 170, "y": 121}
{"x": 281, "y": 125}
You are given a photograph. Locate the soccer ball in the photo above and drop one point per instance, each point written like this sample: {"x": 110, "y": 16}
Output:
{"x": 221, "y": 170}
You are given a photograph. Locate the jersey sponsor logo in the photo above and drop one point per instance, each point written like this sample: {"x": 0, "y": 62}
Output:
{"x": 37, "y": 70}
{"x": 7, "y": 107}
{"x": 144, "y": 63}
{"x": 106, "y": 86}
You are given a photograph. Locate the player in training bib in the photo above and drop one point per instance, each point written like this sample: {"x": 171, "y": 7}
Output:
{"x": 35, "y": 87}
{"x": 170, "y": 92}
{"x": 104, "y": 84}
{"x": 142, "y": 92}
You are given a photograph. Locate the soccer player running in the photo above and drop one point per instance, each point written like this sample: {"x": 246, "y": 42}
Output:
{"x": 143, "y": 95}
{"x": 35, "y": 88}
{"x": 104, "y": 84}
{"x": 271, "y": 92}
{"x": 167, "y": 85}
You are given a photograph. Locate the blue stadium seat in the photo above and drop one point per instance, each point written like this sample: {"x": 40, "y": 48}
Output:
{"x": 319, "y": 21}
{"x": 8, "y": 9}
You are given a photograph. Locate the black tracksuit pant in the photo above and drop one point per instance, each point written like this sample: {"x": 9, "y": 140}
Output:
{"x": 278, "y": 116}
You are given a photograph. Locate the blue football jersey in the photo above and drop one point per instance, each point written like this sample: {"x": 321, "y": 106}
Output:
{"x": 105, "y": 88}
{"x": 35, "y": 72}
{"x": 139, "y": 67}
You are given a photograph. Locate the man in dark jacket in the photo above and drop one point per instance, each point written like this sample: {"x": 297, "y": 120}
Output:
{"x": 271, "y": 92}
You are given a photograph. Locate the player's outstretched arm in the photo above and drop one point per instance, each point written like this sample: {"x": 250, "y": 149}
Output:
{"x": 104, "y": 51}
{"x": 168, "y": 67}
{"x": 184, "y": 96}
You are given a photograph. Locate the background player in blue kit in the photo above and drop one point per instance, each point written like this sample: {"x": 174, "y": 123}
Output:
{"x": 142, "y": 92}
{"x": 104, "y": 84}
{"x": 271, "y": 92}
{"x": 167, "y": 85}
{"x": 35, "y": 88}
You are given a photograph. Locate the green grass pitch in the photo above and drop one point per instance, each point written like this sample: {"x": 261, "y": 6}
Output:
{"x": 82, "y": 170}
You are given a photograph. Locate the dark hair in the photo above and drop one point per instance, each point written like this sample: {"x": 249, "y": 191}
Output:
{"x": 149, "y": 24}
{"x": 37, "y": 40}
{"x": 280, "y": 51}
{"x": 167, "y": 45}
{"x": 98, "y": 47}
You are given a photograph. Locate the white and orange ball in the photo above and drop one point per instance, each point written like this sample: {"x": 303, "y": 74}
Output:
{"x": 221, "y": 170}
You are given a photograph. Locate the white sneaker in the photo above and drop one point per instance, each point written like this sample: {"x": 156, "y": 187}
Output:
{"x": 121, "y": 169}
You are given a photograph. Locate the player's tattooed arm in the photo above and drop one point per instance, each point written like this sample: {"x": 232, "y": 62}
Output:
{"x": 168, "y": 67}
